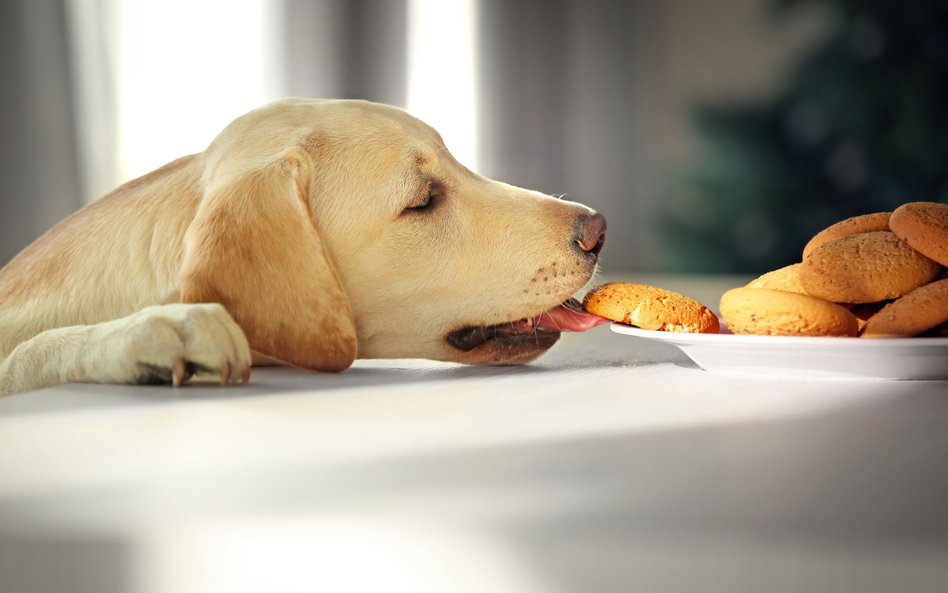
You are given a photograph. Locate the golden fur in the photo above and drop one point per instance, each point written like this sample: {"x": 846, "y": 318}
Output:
{"x": 297, "y": 221}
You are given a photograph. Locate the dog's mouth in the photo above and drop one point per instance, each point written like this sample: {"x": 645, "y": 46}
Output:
{"x": 524, "y": 339}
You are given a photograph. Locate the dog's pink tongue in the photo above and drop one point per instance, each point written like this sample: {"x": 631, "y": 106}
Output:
{"x": 569, "y": 317}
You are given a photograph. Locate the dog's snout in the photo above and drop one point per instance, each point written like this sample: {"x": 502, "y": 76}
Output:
{"x": 591, "y": 233}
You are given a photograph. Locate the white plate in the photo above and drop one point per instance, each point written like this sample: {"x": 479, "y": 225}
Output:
{"x": 787, "y": 356}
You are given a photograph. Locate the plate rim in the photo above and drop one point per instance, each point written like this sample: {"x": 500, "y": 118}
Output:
{"x": 736, "y": 339}
{"x": 778, "y": 356}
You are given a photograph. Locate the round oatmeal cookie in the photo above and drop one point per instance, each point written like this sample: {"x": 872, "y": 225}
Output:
{"x": 866, "y": 223}
{"x": 763, "y": 311}
{"x": 924, "y": 226}
{"x": 786, "y": 279}
{"x": 917, "y": 312}
{"x": 649, "y": 307}
{"x": 865, "y": 268}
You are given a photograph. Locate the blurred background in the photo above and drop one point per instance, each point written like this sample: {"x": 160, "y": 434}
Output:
{"x": 714, "y": 136}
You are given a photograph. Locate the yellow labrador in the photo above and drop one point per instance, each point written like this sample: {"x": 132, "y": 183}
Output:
{"x": 309, "y": 232}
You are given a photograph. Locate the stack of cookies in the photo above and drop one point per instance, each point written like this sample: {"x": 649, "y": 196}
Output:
{"x": 877, "y": 275}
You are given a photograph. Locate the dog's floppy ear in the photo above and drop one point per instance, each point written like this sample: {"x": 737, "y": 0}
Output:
{"x": 254, "y": 247}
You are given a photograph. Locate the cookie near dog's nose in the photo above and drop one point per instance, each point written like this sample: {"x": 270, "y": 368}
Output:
{"x": 591, "y": 233}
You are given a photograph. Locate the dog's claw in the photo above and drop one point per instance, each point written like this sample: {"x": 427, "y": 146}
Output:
{"x": 225, "y": 374}
{"x": 178, "y": 372}
{"x": 245, "y": 376}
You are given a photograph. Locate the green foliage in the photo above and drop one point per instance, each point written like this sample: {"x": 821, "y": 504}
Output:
{"x": 861, "y": 126}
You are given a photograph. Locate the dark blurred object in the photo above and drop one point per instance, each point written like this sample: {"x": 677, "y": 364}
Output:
{"x": 861, "y": 126}
{"x": 346, "y": 49}
{"x": 39, "y": 170}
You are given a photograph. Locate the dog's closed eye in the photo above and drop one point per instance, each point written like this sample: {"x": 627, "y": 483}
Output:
{"x": 427, "y": 199}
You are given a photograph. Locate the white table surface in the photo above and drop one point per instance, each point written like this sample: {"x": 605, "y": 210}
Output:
{"x": 611, "y": 464}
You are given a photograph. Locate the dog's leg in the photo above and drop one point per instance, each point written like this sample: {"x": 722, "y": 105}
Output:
{"x": 161, "y": 344}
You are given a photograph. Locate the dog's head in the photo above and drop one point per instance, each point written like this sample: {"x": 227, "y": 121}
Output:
{"x": 401, "y": 248}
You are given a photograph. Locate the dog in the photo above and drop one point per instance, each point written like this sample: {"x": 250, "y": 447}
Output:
{"x": 310, "y": 232}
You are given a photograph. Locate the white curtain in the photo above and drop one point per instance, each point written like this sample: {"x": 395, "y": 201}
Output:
{"x": 158, "y": 80}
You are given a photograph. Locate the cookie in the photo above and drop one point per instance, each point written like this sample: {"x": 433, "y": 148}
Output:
{"x": 649, "y": 307}
{"x": 917, "y": 312}
{"x": 786, "y": 279}
{"x": 924, "y": 226}
{"x": 865, "y": 268}
{"x": 866, "y": 223}
{"x": 763, "y": 311}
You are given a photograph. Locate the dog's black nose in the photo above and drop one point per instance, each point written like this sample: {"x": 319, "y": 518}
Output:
{"x": 591, "y": 233}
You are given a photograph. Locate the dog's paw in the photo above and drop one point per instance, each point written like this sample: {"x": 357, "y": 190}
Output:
{"x": 168, "y": 344}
